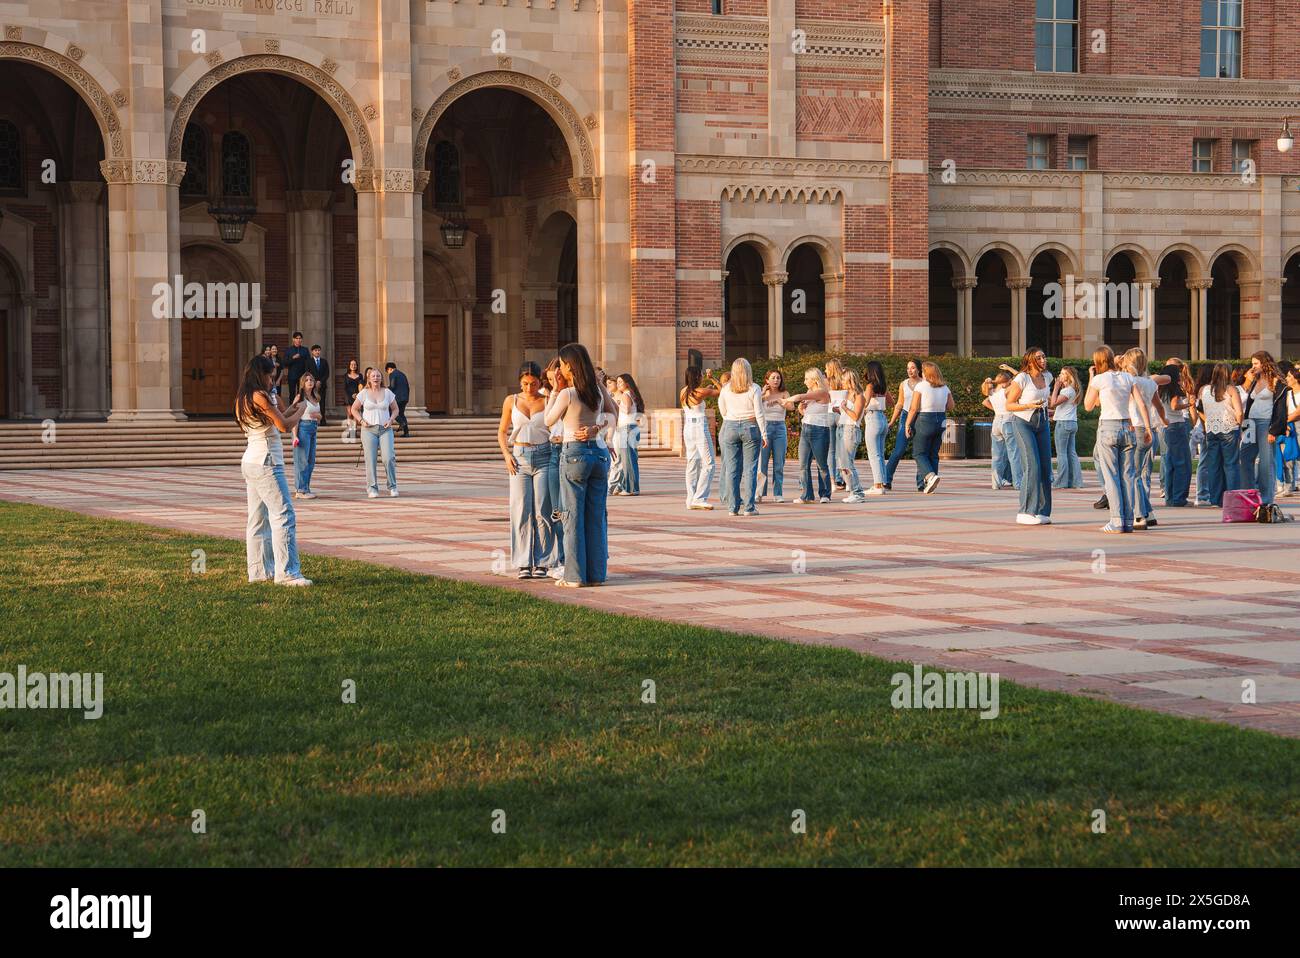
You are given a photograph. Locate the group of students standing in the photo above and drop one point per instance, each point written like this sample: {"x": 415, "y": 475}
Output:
{"x": 569, "y": 440}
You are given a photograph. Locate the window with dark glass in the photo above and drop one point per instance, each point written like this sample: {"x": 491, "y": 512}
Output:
{"x": 1077, "y": 152}
{"x": 1038, "y": 152}
{"x": 1056, "y": 36}
{"x": 194, "y": 151}
{"x": 1221, "y": 38}
{"x": 236, "y": 165}
{"x": 446, "y": 174}
{"x": 1203, "y": 156}
{"x": 11, "y": 157}
{"x": 1241, "y": 153}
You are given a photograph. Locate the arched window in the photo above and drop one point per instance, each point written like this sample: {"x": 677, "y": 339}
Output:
{"x": 236, "y": 165}
{"x": 11, "y": 157}
{"x": 446, "y": 175}
{"x": 194, "y": 151}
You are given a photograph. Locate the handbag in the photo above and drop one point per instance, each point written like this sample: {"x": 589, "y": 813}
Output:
{"x": 1241, "y": 505}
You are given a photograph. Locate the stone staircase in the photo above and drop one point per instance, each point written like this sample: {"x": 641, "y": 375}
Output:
{"x": 219, "y": 442}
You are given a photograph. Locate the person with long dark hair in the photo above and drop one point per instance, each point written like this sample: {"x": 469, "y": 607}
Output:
{"x": 626, "y": 479}
{"x": 1199, "y": 442}
{"x": 771, "y": 462}
{"x": 1263, "y": 384}
{"x": 554, "y": 385}
{"x": 1028, "y": 396}
{"x": 585, "y": 471}
{"x": 698, "y": 386}
{"x": 874, "y": 426}
{"x": 304, "y": 435}
{"x": 525, "y": 443}
{"x": 1176, "y": 462}
{"x": 271, "y": 537}
{"x": 1221, "y": 402}
{"x": 902, "y": 404}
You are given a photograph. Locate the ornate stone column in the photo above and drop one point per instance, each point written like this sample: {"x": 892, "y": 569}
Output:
{"x": 775, "y": 283}
{"x": 84, "y": 324}
{"x": 311, "y": 260}
{"x": 1147, "y": 339}
{"x": 1019, "y": 287}
{"x": 591, "y": 332}
{"x": 145, "y": 348}
{"x": 965, "y": 287}
{"x": 1198, "y": 303}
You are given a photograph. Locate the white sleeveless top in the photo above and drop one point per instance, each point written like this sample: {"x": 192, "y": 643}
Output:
{"x": 695, "y": 414}
{"x": 263, "y": 441}
{"x": 312, "y": 413}
{"x": 1218, "y": 413}
{"x": 626, "y": 417}
{"x": 846, "y": 417}
{"x": 773, "y": 411}
{"x": 817, "y": 414}
{"x": 528, "y": 430}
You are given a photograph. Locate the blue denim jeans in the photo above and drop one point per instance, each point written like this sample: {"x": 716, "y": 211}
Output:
{"x": 850, "y": 438}
{"x": 1176, "y": 464}
{"x": 901, "y": 442}
{"x": 1069, "y": 471}
{"x": 1255, "y": 463}
{"x": 833, "y": 451}
{"x": 1219, "y": 465}
{"x": 771, "y": 461}
{"x": 1006, "y": 457}
{"x": 532, "y": 534}
{"x": 1114, "y": 456}
{"x": 927, "y": 437}
{"x": 700, "y": 463}
{"x": 1033, "y": 441}
{"x": 557, "y": 503}
{"x": 373, "y": 440}
{"x": 271, "y": 539}
{"x": 814, "y": 442}
{"x": 304, "y": 455}
{"x": 874, "y": 428}
{"x": 626, "y": 475}
{"x": 1142, "y": 458}
{"x": 585, "y": 490}
{"x": 740, "y": 443}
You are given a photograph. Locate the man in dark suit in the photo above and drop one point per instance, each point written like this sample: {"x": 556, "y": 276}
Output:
{"x": 401, "y": 390}
{"x": 295, "y": 362}
{"x": 319, "y": 368}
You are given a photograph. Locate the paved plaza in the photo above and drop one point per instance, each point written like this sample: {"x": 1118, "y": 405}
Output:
{"x": 1174, "y": 619}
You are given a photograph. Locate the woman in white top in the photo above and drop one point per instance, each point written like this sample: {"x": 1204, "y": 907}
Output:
{"x": 375, "y": 408}
{"x": 1221, "y": 409}
{"x": 1263, "y": 384}
{"x": 902, "y": 404}
{"x": 700, "y": 464}
{"x": 814, "y": 405}
{"x": 525, "y": 443}
{"x": 1006, "y": 461}
{"x": 741, "y": 441}
{"x": 931, "y": 403}
{"x": 851, "y": 406}
{"x": 304, "y": 436}
{"x": 772, "y": 461}
{"x": 271, "y": 539}
{"x": 625, "y": 478}
{"x": 1134, "y": 362}
{"x": 874, "y": 426}
{"x": 1027, "y": 399}
{"x": 1067, "y": 393}
{"x": 834, "y": 373}
{"x": 1115, "y": 452}
{"x": 585, "y": 471}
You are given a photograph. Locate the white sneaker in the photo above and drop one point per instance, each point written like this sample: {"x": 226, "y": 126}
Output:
{"x": 295, "y": 582}
{"x": 557, "y": 572}
{"x": 876, "y": 491}
{"x": 372, "y": 494}
{"x": 1044, "y": 520}
{"x": 855, "y": 497}
{"x": 778, "y": 499}
{"x": 307, "y": 495}
{"x": 393, "y": 493}
{"x": 1025, "y": 519}
{"x": 931, "y": 483}
{"x": 824, "y": 499}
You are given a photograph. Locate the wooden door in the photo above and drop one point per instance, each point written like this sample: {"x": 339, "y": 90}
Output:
{"x": 435, "y": 364}
{"x": 208, "y": 361}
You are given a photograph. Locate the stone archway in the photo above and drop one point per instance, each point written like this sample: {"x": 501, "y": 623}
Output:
{"x": 74, "y": 67}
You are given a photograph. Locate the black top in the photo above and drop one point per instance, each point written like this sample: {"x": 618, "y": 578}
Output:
{"x": 400, "y": 387}
{"x": 351, "y": 387}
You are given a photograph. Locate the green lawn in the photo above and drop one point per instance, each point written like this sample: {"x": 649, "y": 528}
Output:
{"x": 227, "y": 697}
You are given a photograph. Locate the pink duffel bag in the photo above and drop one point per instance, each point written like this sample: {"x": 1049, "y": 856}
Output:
{"x": 1241, "y": 505}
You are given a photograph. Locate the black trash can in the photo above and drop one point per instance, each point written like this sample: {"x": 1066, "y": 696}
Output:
{"x": 981, "y": 439}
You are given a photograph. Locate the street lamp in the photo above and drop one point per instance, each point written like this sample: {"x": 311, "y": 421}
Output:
{"x": 1286, "y": 141}
{"x": 453, "y": 232}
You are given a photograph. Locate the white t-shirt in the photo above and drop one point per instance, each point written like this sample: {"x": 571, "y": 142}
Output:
{"x": 1148, "y": 388}
{"x": 1031, "y": 394}
{"x": 375, "y": 411}
{"x": 837, "y": 397}
{"x": 933, "y": 398}
{"x": 737, "y": 407}
{"x": 1113, "y": 389}
{"x": 998, "y": 400}
{"x": 1068, "y": 411}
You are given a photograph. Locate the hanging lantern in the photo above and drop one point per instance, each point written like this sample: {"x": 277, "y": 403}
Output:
{"x": 453, "y": 232}
{"x": 232, "y": 215}
{"x": 1286, "y": 141}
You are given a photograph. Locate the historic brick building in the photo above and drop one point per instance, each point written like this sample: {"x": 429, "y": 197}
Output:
{"x": 457, "y": 185}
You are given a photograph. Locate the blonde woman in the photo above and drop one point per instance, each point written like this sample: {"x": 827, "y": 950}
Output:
{"x": 304, "y": 436}
{"x": 850, "y": 419}
{"x": 814, "y": 405}
{"x": 1134, "y": 362}
{"x": 931, "y": 403}
{"x": 834, "y": 377}
{"x": 740, "y": 403}
{"x": 375, "y": 408}
{"x": 1067, "y": 393}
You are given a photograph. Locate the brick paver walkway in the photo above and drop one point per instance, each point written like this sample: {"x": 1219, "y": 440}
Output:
{"x": 1174, "y": 619}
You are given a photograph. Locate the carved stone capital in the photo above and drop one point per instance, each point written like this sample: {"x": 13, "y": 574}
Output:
{"x": 152, "y": 172}
{"x": 1019, "y": 282}
{"x": 376, "y": 180}
{"x": 1199, "y": 283}
{"x": 964, "y": 282}
{"x": 585, "y": 187}
{"x": 778, "y": 278}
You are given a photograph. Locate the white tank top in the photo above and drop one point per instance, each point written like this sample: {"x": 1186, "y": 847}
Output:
{"x": 817, "y": 414}
{"x": 312, "y": 413}
{"x": 697, "y": 413}
{"x": 528, "y": 430}
{"x": 263, "y": 441}
{"x": 773, "y": 411}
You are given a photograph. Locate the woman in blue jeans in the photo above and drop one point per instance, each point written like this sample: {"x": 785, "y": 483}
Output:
{"x": 304, "y": 436}
{"x": 931, "y": 403}
{"x": 271, "y": 539}
{"x": 1222, "y": 412}
{"x": 626, "y": 478}
{"x": 1263, "y": 386}
{"x": 585, "y": 469}
{"x": 771, "y": 464}
{"x": 1066, "y": 396}
{"x": 1115, "y": 453}
{"x": 525, "y": 443}
{"x": 1027, "y": 398}
{"x": 741, "y": 439}
{"x": 376, "y": 408}
{"x": 1176, "y": 455}
{"x": 814, "y": 405}
{"x": 902, "y": 403}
